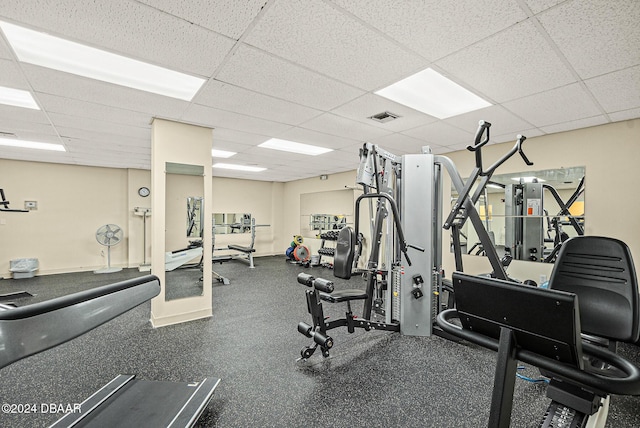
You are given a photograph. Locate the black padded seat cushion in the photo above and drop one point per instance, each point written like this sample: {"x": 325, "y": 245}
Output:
{"x": 241, "y": 248}
{"x": 601, "y": 272}
{"x": 343, "y": 256}
{"x": 344, "y": 295}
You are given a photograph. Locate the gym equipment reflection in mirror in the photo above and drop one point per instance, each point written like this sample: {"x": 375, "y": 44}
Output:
{"x": 529, "y": 215}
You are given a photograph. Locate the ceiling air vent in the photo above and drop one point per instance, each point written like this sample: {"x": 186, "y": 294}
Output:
{"x": 384, "y": 117}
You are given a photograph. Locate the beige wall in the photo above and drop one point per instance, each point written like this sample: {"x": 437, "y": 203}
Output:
{"x": 73, "y": 201}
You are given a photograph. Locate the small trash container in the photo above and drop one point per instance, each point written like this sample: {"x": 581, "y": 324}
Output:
{"x": 23, "y": 268}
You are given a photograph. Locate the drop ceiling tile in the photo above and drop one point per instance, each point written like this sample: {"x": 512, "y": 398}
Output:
{"x": 99, "y": 126}
{"x": 362, "y": 108}
{"x": 78, "y": 108}
{"x": 319, "y": 37}
{"x": 538, "y": 6}
{"x": 266, "y": 74}
{"x": 211, "y": 117}
{"x": 596, "y": 36}
{"x": 18, "y": 126}
{"x": 233, "y": 98}
{"x": 236, "y": 136}
{"x": 441, "y": 134}
{"x": 633, "y": 113}
{"x": 128, "y": 28}
{"x": 400, "y": 144}
{"x": 559, "y": 105}
{"x": 575, "y": 124}
{"x": 22, "y": 114}
{"x": 502, "y": 121}
{"x": 11, "y": 76}
{"x": 322, "y": 139}
{"x": 5, "y": 51}
{"x": 436, "y": 28}
{"x": 230, "y": 146}
{"x": 511, "y": 64}
{"x": 512, "y": 137}
{"x": 343, "y": 127}
{"x": 80, "y": 88}
{"x": 617, "y": 91}
{"x": 102, "y": 137}
{"x": 230, "y": 18}
{"x": 31, "y": 155}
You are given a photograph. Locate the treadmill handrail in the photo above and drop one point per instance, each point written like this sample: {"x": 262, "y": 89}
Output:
{"x": 627, "y": 385}
{"x": 31, "y": 329}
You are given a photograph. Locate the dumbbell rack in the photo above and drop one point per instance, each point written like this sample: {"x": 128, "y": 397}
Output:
{"x": 329, "y": 236}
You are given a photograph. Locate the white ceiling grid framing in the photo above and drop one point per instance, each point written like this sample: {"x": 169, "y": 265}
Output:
{"x": 308, "y": 70}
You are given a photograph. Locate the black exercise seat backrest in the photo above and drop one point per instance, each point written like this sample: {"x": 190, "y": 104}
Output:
{"x": 343, "y": 256}
{"x": 601, "y": 273}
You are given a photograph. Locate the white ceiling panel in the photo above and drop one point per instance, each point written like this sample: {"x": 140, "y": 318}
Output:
{"x": 575, "y": 124}
{"x": 8, "y": 113}
{"x": 400, "y": 144}
{"x": 559, "y": 105}
{"x": 505, "y": 121}
{"x": 625, "y": 115}
{"x": 538, "y": 6}
{"x": 604, "y": 88}
{"x": 11, "y": 76}
{"x": 596, "y": 36}
{"x": 235, "y": 136}
{"x": 101, "y": 137}
{"x": 442, "y": 134}
{"x": 128, "y": 28}
{"x": 264, "y": 73}
{"x": 211, "y": 117}
{"x": 307, "y": 71}
{"x": 511, "y": 64}
{"x": 16, "y": 126}
{"x": 99, "y": 126}
{"x": 307, "y": 32}
{"x": 230, "y": 18}
{"x": 341, "y": 126}
{"x": 233, "y": 98}
{"x": 74, "y": 107}
{"x": 316, "y": 138}
{"x": 362, "y": 108}
{"x": 436, "y": 28}
{"x": 33, "y": 155}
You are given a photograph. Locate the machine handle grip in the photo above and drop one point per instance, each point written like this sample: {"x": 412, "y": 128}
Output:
{"x": 483, "y": 126}
{"x": 415, "y": 247}
{"x": 521, "y": 139}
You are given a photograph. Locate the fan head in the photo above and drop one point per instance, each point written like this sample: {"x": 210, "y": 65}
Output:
{"x": 109, "y": 235}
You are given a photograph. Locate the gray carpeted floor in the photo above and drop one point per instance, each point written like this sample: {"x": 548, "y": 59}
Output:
{"x": 251, "y": 343}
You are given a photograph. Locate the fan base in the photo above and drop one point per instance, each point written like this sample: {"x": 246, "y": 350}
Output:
{"x": 108, "y": 270}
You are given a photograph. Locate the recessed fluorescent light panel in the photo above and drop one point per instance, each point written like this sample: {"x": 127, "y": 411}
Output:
{"x": 17, "y": 98}
{"x": 238, "y": 167}
{"x": 31, "y": 145}
{"x": 293, "y": 147}
{"x": 221, "y": 153}
{"x": 430, "y": 92}
{"x": 41, "y": 49}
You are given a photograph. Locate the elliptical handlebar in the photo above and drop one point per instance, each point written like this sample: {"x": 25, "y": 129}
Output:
{"x": 483, "y": 126}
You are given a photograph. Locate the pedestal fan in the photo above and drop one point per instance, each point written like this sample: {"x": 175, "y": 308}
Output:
{"x": 109, "y": 235}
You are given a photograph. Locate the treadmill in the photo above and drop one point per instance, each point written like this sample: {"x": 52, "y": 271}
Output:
{"x": 125, "y": 401}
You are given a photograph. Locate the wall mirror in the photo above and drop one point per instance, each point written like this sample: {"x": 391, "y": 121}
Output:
{"x": 228, "y": 223}
{"x": 183, "y": 239}
{"x": 323, "y": 211}
{"x": 529, "y": 214}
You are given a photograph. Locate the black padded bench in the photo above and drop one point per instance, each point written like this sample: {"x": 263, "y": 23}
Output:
{"x": 247, "y": 251}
